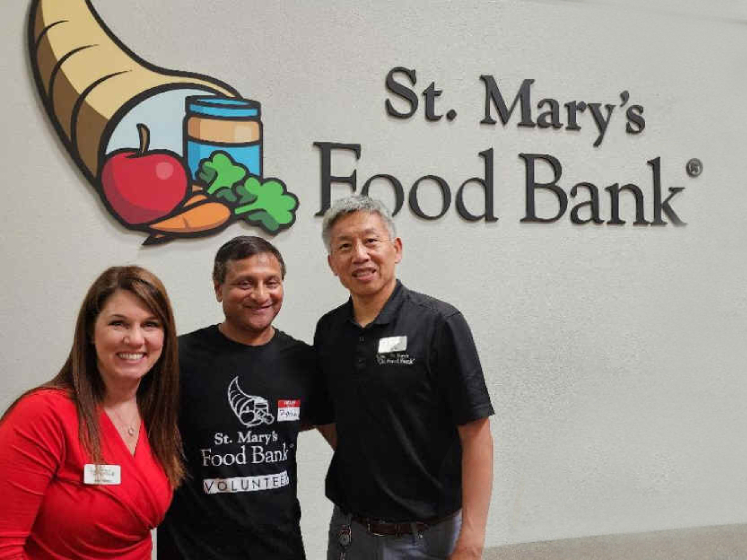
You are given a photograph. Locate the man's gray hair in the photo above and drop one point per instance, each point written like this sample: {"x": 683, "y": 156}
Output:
{"x": 355, "y": 203}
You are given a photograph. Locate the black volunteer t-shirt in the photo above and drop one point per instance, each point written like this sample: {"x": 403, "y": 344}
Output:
{"x": 399, "y": 388}
{"x": 241, "y": 409}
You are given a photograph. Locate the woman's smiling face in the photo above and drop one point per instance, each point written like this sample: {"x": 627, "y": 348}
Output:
{"x": 128, "y": 338}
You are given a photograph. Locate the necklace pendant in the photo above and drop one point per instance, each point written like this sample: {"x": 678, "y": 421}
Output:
{"x": 131, "y": 431}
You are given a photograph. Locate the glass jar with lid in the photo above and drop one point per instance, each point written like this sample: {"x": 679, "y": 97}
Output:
{"x": 227, "y": 124}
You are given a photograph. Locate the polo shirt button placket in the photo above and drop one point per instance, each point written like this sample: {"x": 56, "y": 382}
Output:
{"x": 360, "y": 360}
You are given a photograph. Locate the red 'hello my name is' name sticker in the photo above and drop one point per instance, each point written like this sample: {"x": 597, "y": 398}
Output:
{"x": 289, "y": 410}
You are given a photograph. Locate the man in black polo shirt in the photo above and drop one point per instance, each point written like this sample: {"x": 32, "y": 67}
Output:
{"x": 412, "y": 470}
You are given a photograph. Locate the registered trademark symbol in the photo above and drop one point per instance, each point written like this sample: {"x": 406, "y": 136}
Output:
{"x": 694, "y": 167}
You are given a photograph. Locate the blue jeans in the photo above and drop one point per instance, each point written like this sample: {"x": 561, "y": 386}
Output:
{"x": 435, "y": 543}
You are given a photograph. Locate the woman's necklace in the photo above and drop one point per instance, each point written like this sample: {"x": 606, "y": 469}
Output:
{"x": 130, "y": 427}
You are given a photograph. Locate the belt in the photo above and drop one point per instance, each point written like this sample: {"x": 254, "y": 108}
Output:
{"x": 379, "y": 528}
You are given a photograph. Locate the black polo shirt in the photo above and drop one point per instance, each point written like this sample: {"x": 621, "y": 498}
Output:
{"x": 399, "y": 388}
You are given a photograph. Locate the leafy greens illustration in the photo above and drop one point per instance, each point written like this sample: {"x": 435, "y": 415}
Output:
{"x": 264, "y": 203}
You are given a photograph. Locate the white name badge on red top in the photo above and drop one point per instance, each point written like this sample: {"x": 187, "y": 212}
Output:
{"x": 289, "y": 410}
{"x": 102, "y": 474}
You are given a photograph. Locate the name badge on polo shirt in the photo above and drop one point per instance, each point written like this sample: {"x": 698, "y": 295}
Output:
{"x": 392, "y": 344}
{"x": 102, "y": 474}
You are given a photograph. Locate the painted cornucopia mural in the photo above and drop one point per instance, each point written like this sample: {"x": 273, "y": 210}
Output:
{"x": 172, "y": 154}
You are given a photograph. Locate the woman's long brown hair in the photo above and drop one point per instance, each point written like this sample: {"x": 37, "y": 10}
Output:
{"x": 158, "y": 393}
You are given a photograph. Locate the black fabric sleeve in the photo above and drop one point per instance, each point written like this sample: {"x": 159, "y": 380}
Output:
{"x": 320, "y": 411}
{"x": 459, "y": 371}
{"x": 323, "y": 410}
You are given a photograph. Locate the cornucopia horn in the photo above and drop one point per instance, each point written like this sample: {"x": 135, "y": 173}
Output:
{"x": 89, "y": 80}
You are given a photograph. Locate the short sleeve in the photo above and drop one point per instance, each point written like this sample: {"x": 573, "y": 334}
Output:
{"x": 320, "y": 409}
{"x": 32, "y": 445}
{"x": 324, "y": 412}
{"x": 459, "y": 371}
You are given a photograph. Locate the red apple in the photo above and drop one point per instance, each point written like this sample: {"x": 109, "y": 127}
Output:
{"x": 140, "y": 185}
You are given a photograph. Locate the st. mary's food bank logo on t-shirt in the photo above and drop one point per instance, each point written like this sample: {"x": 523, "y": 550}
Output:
{"x": 250, "y": 410}
{"x": 248, "y": 452}
{"x": 172, "y": 154}
{"x": 254, "y": 411}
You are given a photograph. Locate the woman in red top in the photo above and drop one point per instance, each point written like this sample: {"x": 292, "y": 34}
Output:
{"x": 89, "y": 460}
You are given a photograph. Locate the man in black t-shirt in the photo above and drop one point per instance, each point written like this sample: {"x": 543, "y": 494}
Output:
{"x": 247, "y": 389}
{"x": 412, "y": 470}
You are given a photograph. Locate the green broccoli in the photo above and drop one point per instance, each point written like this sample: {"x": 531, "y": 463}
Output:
{"x": 266, "y": 204}
{"x": 221, "y": 172}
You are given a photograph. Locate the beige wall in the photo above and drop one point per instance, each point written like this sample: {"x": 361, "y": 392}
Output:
{"x": 614, "y": 355}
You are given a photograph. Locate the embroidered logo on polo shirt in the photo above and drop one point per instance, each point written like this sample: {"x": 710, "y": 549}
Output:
{"x": 289, "y": 410}
{"x": 391, "y": 351}
{"x": 398, "y": 359}
{"x": 250, "y": 410}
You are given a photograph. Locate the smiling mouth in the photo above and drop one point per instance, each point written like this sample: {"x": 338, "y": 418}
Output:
{"x": 131, "y": 356}
{"x": 363, "y": 273}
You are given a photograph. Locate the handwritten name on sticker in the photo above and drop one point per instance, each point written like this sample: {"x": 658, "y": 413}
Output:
{"x": 289, "y": 410}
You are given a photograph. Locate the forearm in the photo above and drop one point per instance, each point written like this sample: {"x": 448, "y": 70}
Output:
{"x": 477, "y": 483}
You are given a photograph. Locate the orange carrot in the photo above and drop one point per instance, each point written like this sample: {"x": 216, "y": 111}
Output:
{"x": 199, "y": 216}
{"x": 194, "y": 199}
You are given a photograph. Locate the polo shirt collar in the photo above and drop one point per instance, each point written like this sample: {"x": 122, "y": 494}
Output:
{"x": 390, "y": 309}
